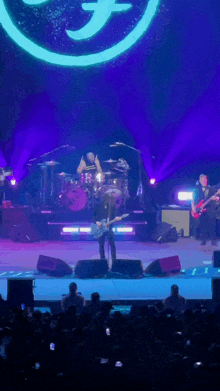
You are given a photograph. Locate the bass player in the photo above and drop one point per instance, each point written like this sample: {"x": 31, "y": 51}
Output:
{"x": 207, "y": 219}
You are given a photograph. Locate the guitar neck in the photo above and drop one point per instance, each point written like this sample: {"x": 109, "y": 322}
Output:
{"x": 112, "y": 221}
{"x": 206, "y": 202}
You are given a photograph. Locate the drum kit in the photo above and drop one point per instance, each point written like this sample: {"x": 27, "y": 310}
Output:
{"x": 75, "y": 193}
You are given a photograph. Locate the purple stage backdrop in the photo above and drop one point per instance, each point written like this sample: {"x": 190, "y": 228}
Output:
{"x": 161, "y": 96}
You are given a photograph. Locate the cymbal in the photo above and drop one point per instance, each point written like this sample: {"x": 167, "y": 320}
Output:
{"x": 110, "y": 161}
{"x": 64, "y": 174}
{"x": 120, "y": 170}
{"x": 108, "y": 173}
{"x": 51, "y": 163}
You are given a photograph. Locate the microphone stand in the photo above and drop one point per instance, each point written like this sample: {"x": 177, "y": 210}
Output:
{"x": 139, "y": 193}
{"x": 48, "y": 153}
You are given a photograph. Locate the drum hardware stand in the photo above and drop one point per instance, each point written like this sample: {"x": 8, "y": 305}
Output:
{"x": 43, "y": 184}
{"x": 139, "y": 193}
{"x": 44, "y": 176}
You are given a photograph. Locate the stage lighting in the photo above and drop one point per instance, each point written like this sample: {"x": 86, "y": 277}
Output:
{"x": 13, "y": 181}
{"x": 87, "y": 230}
{"x": 71, "y": 229}
{"x": 185, "y": 195}
{"x": 152, "y": 181}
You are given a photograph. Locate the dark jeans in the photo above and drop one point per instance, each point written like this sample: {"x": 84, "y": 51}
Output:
{"x": 111, "y": 239}
{"x": 208, "y": 226}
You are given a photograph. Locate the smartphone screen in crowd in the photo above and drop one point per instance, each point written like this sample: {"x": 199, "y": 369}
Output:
{"x": 52, "y": 346}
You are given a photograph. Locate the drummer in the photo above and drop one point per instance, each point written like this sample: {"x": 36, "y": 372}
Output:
{"x": 91, "y": 164}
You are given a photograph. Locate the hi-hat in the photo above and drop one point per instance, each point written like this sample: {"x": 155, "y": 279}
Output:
{"x": 110, "y": 161}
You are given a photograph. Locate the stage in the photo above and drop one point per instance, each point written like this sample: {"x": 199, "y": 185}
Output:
{"x": 19, "y": 260}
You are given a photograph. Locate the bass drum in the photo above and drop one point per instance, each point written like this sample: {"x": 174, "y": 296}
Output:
{"x": 116, "y": 193}
{"x": 75, "y": 199}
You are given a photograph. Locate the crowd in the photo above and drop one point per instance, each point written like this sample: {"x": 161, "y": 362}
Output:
{"x": 85, "y": 347}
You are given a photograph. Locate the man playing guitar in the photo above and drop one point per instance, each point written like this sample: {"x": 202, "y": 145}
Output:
{"x": 106, "y": 210}
{"x": 207, "y": 219}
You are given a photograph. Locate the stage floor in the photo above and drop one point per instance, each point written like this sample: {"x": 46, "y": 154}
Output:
{"x": 19, "y": 260}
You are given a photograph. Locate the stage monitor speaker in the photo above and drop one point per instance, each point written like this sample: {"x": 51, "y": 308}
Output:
{"x": 216, "y": 290}
{"x": 90, "y": 268}
{"x": 131, "y": 267}
{"x": 23, "y": 233}
{"x": 165, "y": 233}
{"x": 17, "y": 225}
{"x": 53, "y": 267}
{"x": 164, "y": 266}
{"x": 216, "y": 258}
{"x": 20, "y": 292}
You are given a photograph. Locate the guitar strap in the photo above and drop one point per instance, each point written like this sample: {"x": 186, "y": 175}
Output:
{"x": 109, "y": 212}
{"x": 206, "y": 192}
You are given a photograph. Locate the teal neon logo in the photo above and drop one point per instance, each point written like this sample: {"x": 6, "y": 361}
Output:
{"x": 102, "y": 11}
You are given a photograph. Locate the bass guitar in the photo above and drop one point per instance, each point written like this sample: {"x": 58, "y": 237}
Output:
{"x": 97, "y": 232}
{"x": 201, "y": 205}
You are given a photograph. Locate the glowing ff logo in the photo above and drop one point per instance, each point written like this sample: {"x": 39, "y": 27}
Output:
{"x": 102, "y": 12}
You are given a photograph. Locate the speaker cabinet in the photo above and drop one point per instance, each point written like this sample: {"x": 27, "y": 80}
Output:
{"x": 17, "y": 226}
{"x": 53, "y": 267}
{"x": 179, "y": 218}
{"x": 20, "y": 292}
{"x": 165, "y": 233}
{"x": 216, "y": 290}
{"x": 216, "y": 258}
{"x": 24, "y": 233}
{"x": 164, "y": 267}
{"x": 131, "y": 267}
{"x": 90, "y": 268}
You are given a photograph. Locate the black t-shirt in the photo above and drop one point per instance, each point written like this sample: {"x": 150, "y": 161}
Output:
{"x": 101, "y": 212}
{"x": 90, "y": 167}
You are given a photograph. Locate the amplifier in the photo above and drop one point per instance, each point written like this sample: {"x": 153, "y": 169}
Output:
{"x": 179, "y": 218}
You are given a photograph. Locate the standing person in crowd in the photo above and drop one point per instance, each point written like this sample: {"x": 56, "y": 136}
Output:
{"x": 175, "y": 302}
{"x": 95, "y": 305}
{"x": 73, "y": 298}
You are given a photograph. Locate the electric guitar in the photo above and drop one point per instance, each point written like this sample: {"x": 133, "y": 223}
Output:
{"x": 97, "y": 232}
{"x": 201, "y": 205}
